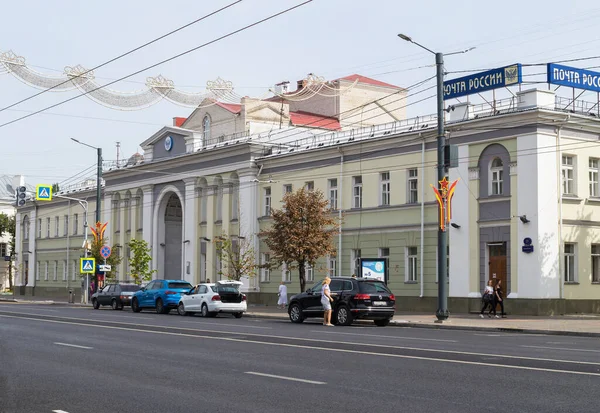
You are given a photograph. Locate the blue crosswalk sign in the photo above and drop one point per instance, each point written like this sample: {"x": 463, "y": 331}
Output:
{"x": 43, "y": 192}
{"x": 87, "y": 265}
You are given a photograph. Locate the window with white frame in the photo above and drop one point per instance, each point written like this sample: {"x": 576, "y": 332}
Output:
{"x": 206, "y": 129}
{"x": 596, "y": 263}
{"x": 219, "y": 260}
{"x": 265, "y": 270}
{"x": 219, "y": 205}
{"x": 332, "y": 185}
{"x": 203, "y": 267}
{"x": 47, "y": 227}
{"x": 384, "y": 192}
{"x": 267, "y": 201}
{"x": 55, "y": 271}
{"x": 74, "y": 270}
{"x": 354, "y": 257}
{"x": 39, "y": 228}
{"x": 411, "y": 264}
{"x": 384, "y": 253}
{"x": 65, "y": 225}
{"x": 27, "y": 228}
{"x": 412, "y": 197}
{"x": 331, "y": 266}
{"x": 37, "y": 271}
{"x": 140, "y": 213}
{"x": 357, "y": 192}
{"x": 117, "y": 212}
{"x": 127, "y": 207}
{"x": 3, "y": 249}
{"x": 75, "y": 224}
{"x": 593, "y": 174}
{"x": 235, "y": 202}
{"x": 569, "y": 262}
{"x": 56, "y": 226}
{"x": 309, "y": 272}
{"x": 203, "y": 205}
{"x": 46, "y": 269}
{"x": 496, "y": 177}
{"x": 286, "y": 275}
{"x": 287, "y": 189}
{"x": 309, "y": 185}
{"x": 568, "y": 175}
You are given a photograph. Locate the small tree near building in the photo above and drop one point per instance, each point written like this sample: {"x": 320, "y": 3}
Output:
{"x": 8, "y": 224}
{"x": 302, "y": 231}
{"x": 237, "y": 256}
{"x": 139, "y": 261}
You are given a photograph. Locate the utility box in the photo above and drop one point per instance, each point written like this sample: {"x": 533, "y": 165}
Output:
{"x": 450, "y": 156}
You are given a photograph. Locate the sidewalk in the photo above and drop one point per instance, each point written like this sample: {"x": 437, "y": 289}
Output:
{"x": 569, "y": 325}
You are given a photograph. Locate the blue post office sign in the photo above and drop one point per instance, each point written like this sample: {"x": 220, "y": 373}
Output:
{"x": 483, "y": 81}
{"x": 573, "y": 77}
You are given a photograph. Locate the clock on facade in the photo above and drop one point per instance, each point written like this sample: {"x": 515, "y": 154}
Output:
{"x": 168, "y": 143}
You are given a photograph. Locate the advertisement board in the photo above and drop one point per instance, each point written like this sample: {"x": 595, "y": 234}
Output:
{"x": 375, "y": 268}
{"x": 573, "y": 77}
{"x": 483, "y": 81}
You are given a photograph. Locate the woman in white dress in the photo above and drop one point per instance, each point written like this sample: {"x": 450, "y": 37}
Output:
{"x": 282, "y": 302}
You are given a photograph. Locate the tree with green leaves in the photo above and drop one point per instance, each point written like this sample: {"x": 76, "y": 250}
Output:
{"x": 114, "y": 260}
{"x": 8, "y": 224}
{"x": 237, "y": 256}
{"x": 139, "y": 261}
{"x": 302, "y": 231}
{"x": 55, "y": 187}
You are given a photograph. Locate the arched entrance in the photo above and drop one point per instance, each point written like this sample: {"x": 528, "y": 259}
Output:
{"x": 169, "y": 236}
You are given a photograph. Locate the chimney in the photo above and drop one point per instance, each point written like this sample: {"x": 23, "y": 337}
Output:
{"x": 282, "y": 88}
{"x": 300, "y": 85}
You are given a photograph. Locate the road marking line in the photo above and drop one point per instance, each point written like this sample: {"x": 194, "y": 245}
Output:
{"x": 292, "y": 338}
{"x": 284, "y": 377}
{"x": 564, "y": 348}
{"x": 74, "y": 345}
{"x": 59, "y": 411}
{"x": 369, "y": 353}
{"x": 226, "y": 325}
{"x": 377, "y": 335}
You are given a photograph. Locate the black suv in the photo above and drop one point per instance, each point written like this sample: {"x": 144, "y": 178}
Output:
{"x": 353, "y": 298}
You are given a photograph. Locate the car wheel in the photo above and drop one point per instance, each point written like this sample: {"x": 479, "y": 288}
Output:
{"x": 343, "y": 316}
{"x": 238, "y": 315}
{"x": 382, "y": 323}
{"x": 160, "y": 307}
{"x": 296, "y": 314}
{"x": 96, "y": 304}
{"x": 114, "y": 305}
{"x": 181, "y": 309}
{"x": 135, "y": 306}
{"x": 204, "y": 310}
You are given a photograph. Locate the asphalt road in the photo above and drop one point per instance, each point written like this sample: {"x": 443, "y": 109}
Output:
{"x": 76, "y": 360}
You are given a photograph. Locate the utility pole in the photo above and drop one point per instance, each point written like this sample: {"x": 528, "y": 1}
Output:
{"x": 442, "y": 312}
{"x": 99, "y": 186}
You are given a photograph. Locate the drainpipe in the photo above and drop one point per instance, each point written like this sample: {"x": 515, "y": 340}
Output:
{"x": 68, "y": 244}
{"x": 422, "y": 210}
{"x": 340, "y": 204}
{"x": 560, "y": 208}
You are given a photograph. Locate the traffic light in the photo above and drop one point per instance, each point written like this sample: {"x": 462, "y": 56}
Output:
{"x": 21, "y": 196}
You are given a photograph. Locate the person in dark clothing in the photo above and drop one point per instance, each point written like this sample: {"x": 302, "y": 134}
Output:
{"x": 500, "y": 298}
{"x": 488, "y": 298}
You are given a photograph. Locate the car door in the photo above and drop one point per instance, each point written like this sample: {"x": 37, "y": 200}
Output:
{"x": 103, "y": 295}
{"x": 335, "y": 289}
{"x": 115, "y": 292}
{"x": 201, "y": 297}
{"x": 190, "y": 301}
{"x": 144, "y": 296}
{"x": 311, "y": 303}
{"x": 155, "y": 292}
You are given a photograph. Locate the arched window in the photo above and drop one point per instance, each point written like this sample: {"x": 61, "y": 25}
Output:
{"x": 206, "y": 128}
{"x": 496, "y": 177}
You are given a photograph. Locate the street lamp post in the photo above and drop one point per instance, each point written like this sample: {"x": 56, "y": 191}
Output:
{"x": 442, "y": 312}
{"x": 98, "y": 178}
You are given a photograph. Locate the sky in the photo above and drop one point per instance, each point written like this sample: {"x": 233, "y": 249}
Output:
{"x": 330, "y": 38}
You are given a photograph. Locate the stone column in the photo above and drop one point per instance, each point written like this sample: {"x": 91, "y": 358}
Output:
{"x": 147, "y": 217}
{"x": 210, "y": 233}
{"x": 121, "y": 210}
{"x": 248, "y": 219}
{"x": 190, "y": 232}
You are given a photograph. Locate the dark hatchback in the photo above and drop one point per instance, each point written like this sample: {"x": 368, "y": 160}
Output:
{"x": 353, "y": 299}
{"x": 115, "y": 295}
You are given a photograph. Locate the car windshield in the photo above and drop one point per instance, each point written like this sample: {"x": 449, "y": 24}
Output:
{"x": 132, "y": 288}
{"x": 373, "y": 287}
{"x": 181, "y": 285}
{"x": 228, "y": 288}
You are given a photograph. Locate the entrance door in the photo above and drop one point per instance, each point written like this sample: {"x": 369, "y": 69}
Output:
{"x": 497, "y": 264}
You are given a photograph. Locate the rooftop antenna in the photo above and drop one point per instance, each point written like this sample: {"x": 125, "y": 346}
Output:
{"x": 118, "y": 153}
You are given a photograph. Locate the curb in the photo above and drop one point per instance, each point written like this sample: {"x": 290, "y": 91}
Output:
{"x": 43, "y": 302}
{"x": 410, "y": 324}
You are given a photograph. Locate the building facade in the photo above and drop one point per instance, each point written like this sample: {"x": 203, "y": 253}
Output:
{"x": 527, "y": 177}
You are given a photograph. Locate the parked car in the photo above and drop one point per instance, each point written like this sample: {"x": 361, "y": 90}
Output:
{"x": 161, "y": 295}
{"x": 354, "y": 298}
{"x": 211, "y": 299}
{"x": 115, "y": 295}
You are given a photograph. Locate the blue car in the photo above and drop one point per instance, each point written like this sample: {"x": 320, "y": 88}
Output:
{"x": 162, "y": 295}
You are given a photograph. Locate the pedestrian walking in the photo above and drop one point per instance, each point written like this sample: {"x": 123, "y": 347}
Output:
{"x": 488, "y": 298}
{"x": 326, "y": 301}
{"x": 208, "y": 280}
{"x": 500, "y": 298}
{"x": 283, "y": 299}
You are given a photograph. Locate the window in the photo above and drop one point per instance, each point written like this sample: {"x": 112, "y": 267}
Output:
{"x": 47, "y": 227}
{"x": 3, "y": 249}
{"x": 46, "y": 269}
{"x": 219, "y": 260}
{"x": 56, "y": 226}
{"x": 596, "y": 263}
{"x": 117, "y": 214}
{"x": 203, "y": 206}
{"x": 569, "y": 263}
{"x": 37, "y": 271}
{"x": 203, "y": 267}
{"x": 333, "y": 193}
{"x": 593, "y": 173}
{"x": 140, "y": 213}
{"x": 309, "y": 272}
{"x": 267, "y": 201}
{"x": 286, "y": 275}
{"x": 55, "y": 272}
{"x": 384, "y": 252}
{"x": 66, "y": 225}
{"x": 265, "y": 271}
{"x": 75, "y": 223}
{"x": 331, "y": 266}
{"x": 287, "y": 189}
{"x": 27, "y": 228}
{"x": 354, "y": 257}
{"x": 568, "y": 177}
{"x": 411, "y": 264}
{"x": 412, "y": 197}
{"x": 65, "y": 271}
{"x": 127, "y": 206}
{"x": 206, "y": 129}
{"x": 384, "y": 196}
{"x": 219, "y": 205}
{"x": 357, "y": 191}
{"x": 39, "y": 228}
{"x": 496, "y": 178}
{"x": 73, "y": 270}
{"x": 235, "y": 202}
{"x": 309, "y": 186}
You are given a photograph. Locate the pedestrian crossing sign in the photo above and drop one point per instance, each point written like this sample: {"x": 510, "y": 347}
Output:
{"x": 43, "y": 192}
{"x": 87, "y": 265}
